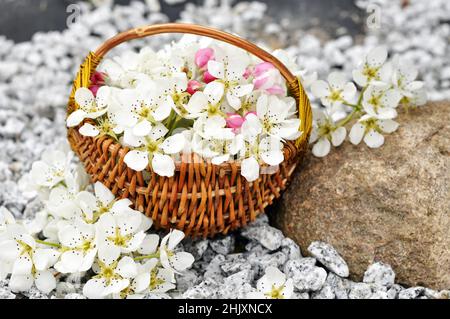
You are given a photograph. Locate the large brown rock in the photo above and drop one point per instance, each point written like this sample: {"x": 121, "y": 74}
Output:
{"x": 390, "y": 204}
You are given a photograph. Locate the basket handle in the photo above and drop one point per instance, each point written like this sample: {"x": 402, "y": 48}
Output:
{"x": 293, "y": 83}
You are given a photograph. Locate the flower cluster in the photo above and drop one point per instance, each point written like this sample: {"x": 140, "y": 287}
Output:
{"x": 384, "y": 86}
{"x": 89, "y": 232}
{"x": 194, "y": 96}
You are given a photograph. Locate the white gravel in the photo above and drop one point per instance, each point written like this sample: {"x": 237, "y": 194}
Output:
{"x": 35, "y": 81}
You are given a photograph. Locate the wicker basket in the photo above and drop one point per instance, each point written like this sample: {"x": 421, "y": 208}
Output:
{"x": 201, "y": 199}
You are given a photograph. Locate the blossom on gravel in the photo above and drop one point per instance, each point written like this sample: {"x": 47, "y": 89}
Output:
{"x": 50, "y": 170}
{"x": 79, "y": 247}
{"x": 170, "y": 259}
{"x": 152, "y": 278}
{"x": 112, "y": 277}
{"x": 273, "y": 285}
{"x": 29, "y": 262}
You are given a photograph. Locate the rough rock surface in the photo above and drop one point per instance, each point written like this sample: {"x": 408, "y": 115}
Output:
{"x": 390, "y": 204}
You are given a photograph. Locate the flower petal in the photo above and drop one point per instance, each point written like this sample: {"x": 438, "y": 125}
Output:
{"x": 173, "y": 144}
{"x": 356, "y": 133}
{"x": 84, "y": 97}
{"x": 250, "y": 169}
{"x": 45, "y": 281}
{"x": 75, "y": 118}
{"x": 322, "y": 147}
{"x": 142, "y": 128}
{"x": 103, "y": 194}
{"x": 320, "y": 89}
{"x": 163, "y": 165}
{"x": 338, "y": 136}
{"x": 89, "y": 130}
{"x": 373, "y": 139}
{"x": 388, "y": 126}
{"x": 136, "y": 160}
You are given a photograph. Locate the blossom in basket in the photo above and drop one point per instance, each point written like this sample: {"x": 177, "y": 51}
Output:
{"x": 381, "y": 101}
{"x": 325, "y": 132}
{"x": 203, "y": 56}
{"x": 273, "y": 285}
{"x": 335, "y": 92}
{"x": 51, "y": 169}
{"x": 112, "y": 277}
{"x": 97, "y": 80}
{"x": 206, "y": 102}
{"x": 268, "y": 79}
{"x": 277, "y": 117}
{"x": 176, "y": 261}
{"x": 373, "y": 68}
{"x": 154, "y": 149}
{"x": 79, "y": 247}
{"x": 228, "y": 69}
{"x": 29, "y": 262}
{"x": 90, "y": 106}
{"x": 142, "y": 106}
{"x": 269, "y": 150}
{"x": 153, "y": 279}
{"x": 94, "y": 206}
{"x": 193, "y": 86}
{"x": 235, "y": 121}
{"x": 370, "y": 129}
{"x": 119, "y": 233}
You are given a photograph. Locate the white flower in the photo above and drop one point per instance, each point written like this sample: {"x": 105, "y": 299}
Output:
{"x": 89, "y": 106}
{"x": 381, "y": 101}
{"x": 228, "y": 68}
{"x": 370, "y": 128}
{"x": 335, "y": 92}
{"x": 324, "y": 131}
{"x": 29, "y": 263}
{"x": 176, "y": 261}
{"x": 62, "y": 198}
{"x": 206, "y": 102}
{"x": 51, "y": 169}
{"x": 273, "y": 285}
{"x": 94, "y": 206}
{"x": 111, "y": 278}
{"x": 79, "y": 248}
{"x": 268, "y": 150}
{"x": 404, "y": 80}
{"x": 150, "y": 278}
{"x": 277, "y": 117}
{"x": 119, "y": 233}
{"x": 373, "y": 68}
{"x": 141, "y": 107}
{"x": 154, "y": 149}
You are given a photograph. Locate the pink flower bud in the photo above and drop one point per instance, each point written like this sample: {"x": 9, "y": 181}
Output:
{"x": 259, "y": 82}
{"x": 234, "y": 121}
{"x": 276, "y": 89}
{"x": 94, "y": 89}
{"x": 98, "y": 78}
{"x": 202, "y": 56}
{"x": 207, "y": 77}
{"x": 193, "y": 86}
{"x": 247, "y": 73}
{"x": 262, "y": 68}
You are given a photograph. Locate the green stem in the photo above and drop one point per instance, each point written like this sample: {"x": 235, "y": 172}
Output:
{"x": 347, "y": 119}
{"x": 143, "y": 257}
{"x": 48, "y": 243}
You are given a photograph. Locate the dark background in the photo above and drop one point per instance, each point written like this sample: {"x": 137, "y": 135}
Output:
{"x": 20, "y": 19}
